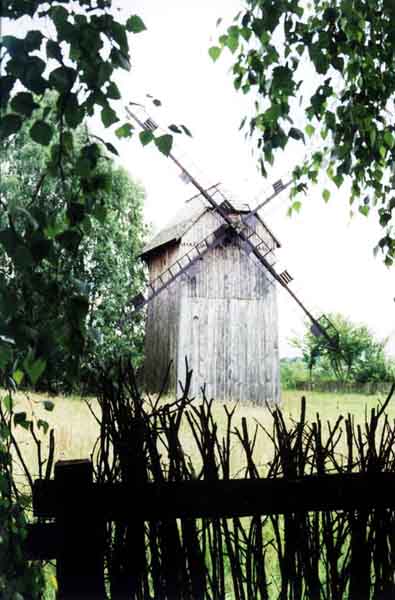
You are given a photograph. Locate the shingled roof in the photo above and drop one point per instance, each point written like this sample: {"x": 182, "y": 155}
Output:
{"x": 188, "y": 215}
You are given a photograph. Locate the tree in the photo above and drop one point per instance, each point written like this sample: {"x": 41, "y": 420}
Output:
{"x": 75, "y": 64}
{"x": 83, "y": 258}
{"x": 330, "y": 64}
{"x": 114, "y": 273}
{"x": 360, "y": 357}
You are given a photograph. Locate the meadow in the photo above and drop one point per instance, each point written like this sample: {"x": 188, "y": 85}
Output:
{"x": 232, "y": 550}
{"x": 76, "y": 428}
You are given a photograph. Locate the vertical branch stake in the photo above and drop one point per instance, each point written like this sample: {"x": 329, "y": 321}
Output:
{"x": 80, "y": 533}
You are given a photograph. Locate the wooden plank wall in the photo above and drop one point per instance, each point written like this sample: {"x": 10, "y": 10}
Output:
{"x": 162, "y": 325}
{"x": 228, "y": 323}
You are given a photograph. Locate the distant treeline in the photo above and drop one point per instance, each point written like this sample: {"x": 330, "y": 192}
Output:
{"x": 295, "y": 375}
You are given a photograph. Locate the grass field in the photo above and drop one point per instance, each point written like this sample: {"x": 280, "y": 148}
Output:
{"x": 76, "y": 429}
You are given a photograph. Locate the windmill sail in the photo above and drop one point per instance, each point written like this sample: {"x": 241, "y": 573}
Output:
{"x": 180, "y": 266}
{"x": 252, "y": 244}
{"x": 212, "y": 240}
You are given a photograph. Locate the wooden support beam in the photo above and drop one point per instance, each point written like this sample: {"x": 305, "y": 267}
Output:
{"x": 80, "y": 532}
{"x": 41, "y": 541}
{"x": 230, "y": 498}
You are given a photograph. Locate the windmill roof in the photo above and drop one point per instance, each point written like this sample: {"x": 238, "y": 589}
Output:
{"x": 184, "y": 219}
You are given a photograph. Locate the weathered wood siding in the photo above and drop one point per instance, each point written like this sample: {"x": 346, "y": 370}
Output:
{"x": 222, "y": 316}
{"x": 228, "y": 324}
{"x": 162, "y": 324}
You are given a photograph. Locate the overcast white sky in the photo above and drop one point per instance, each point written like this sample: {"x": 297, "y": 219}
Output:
{"x": 329, "y": 255}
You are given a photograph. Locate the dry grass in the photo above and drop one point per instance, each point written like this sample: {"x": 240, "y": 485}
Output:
{"x": 76, "y": 430}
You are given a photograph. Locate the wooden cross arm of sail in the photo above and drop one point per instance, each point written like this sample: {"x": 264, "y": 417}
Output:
{"x": 180, "y": 267}
{"x": 248, "y": 242}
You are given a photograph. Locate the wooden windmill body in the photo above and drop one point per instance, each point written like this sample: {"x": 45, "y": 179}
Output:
{"x": 211, "y": 297}
{"x": 220, "y": 314}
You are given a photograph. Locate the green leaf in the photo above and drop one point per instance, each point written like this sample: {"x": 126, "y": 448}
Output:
{"x": 124, "y": 131}
{"x": 186, "y": 130}
{"x": 8, "y": 402}
{"x": 41, "y": 133}
{"x": 48, "y": 405}
{"x": 296, "y": 134}
{"x": 113, "y": 91}
{"x": 135, "y": 24}
{"x": 232, "y": 42}
{"x": 19, "y": 416}
{"x": 309, "y": 129}
{"x": 364, "y": 210}
{"x": 120, "y": 59}
{"x": 372, "y": 135}
{"x": 63, "y": 79}
{"x": 41, "y": 424}
{"x": 18, "y": 376}
{"x": 6, "y": 84}
{"x": 20, "y": 419}
{"x": 111, "y": 148}
{"x": 164, "y": 143}
{"x": 34, "y": 368}
{"x": 9, "y": 124}
{"x": 297, "y": 205}
{"x": 23, "y": 103}
{"x": 59, "y": 15}
{"x": 13, "y": 44}
{"x": 32, "y": 75}
{"x": 54, "y": 51}
{"x": 389, "y": 139}
{"x": 108, "y": 117}
{"x": 174, "y": 128}
{"x": 338, "y": 180}
{"x": 74, "y": 113}
{"x": 214, "y": 53}
{"x": 118, "y": 33}
{"x": 146, "y": 137}
{"x": 33, "y": 41}
{"x": 326, "y": 195}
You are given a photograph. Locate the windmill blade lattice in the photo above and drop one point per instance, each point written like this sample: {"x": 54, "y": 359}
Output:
{"x": 214, "y": 239}
{"x": 257, "y": 247}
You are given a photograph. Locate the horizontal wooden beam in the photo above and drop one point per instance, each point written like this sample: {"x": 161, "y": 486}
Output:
{"x": 223, "y": 498}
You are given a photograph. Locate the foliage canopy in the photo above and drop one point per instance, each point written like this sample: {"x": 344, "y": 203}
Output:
{"x": 58, "y": 71}
{"x": 360, "y": 359}
{"x": 329, "y": 65}
{"x": 69, "y": 268}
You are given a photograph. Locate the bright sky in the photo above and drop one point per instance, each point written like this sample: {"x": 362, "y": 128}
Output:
{"x": 329, "y": 255}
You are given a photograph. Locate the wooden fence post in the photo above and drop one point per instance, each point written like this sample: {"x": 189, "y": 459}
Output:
{"x": 80, "y": 533}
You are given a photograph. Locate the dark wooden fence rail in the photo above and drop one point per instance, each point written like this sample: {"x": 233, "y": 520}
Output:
{"x": 80, "y": 509}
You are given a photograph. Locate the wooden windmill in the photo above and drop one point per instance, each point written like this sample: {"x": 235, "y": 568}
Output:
{"x": 211, "y": 298}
